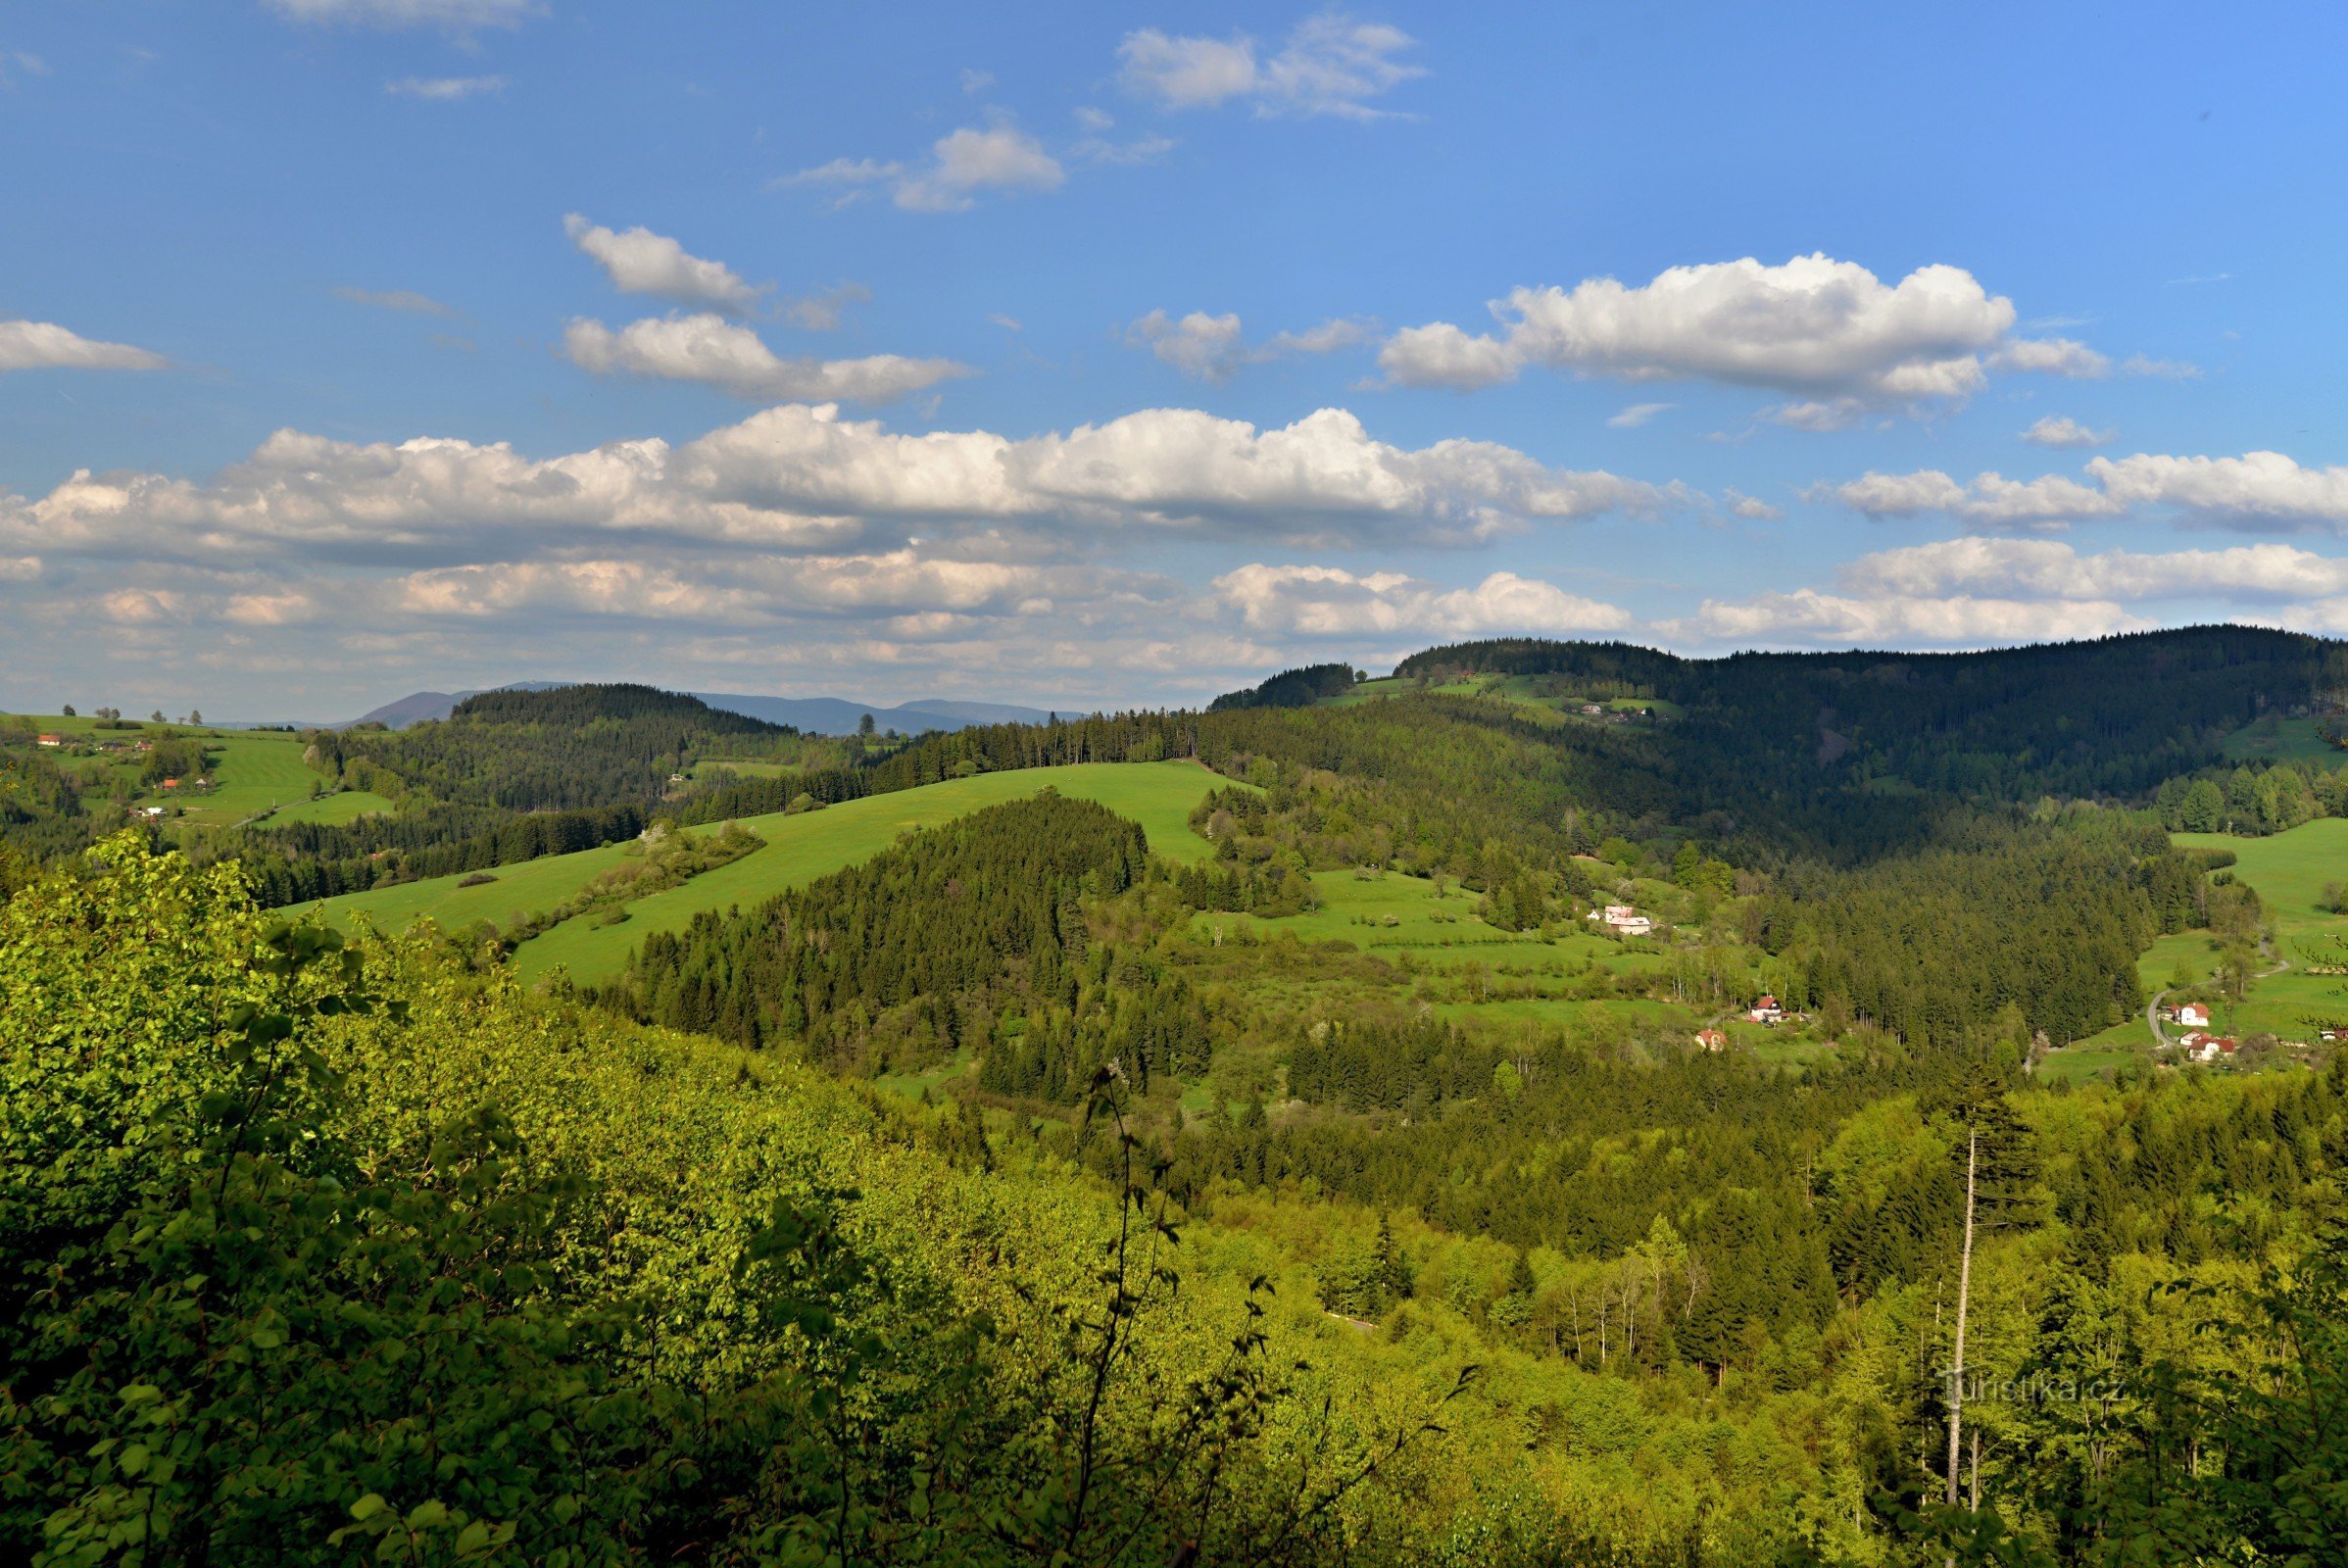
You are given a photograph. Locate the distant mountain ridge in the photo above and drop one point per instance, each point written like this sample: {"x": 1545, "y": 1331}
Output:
{"x": 814, "y": 715}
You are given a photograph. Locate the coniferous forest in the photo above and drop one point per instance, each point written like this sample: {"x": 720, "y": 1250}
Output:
{"x": 1557, "y": 1103}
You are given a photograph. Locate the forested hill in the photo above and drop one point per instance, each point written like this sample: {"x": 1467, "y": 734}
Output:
{"x": 567, "y": 748}
{"x": 2111, "y": 716}
{"x": 577, "y": 706}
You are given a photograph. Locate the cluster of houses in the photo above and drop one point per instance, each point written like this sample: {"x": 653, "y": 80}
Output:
{"x": 2197, "y": 1042}
{"x": 1624, "y": 918}
{"x": 2200, "y": 1046}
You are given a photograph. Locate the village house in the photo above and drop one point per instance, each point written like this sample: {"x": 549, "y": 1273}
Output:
{"x": 150, "y": 810}
{"x": 2200, "y": 1046}
{"x": 1711, "y": 1039}
{"x": 50, "y": 740}
{"x": 1766, "y": 1010}
{"x": 2192, "y": 1015}
{"x": 1625, "y": 919}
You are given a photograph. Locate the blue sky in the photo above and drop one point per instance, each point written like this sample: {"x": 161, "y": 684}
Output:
{"x": 1119, "y": 354}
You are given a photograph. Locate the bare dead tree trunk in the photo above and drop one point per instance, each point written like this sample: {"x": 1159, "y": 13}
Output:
{"x": 1956, "y": 1376}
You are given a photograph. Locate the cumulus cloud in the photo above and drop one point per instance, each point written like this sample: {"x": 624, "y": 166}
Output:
{"x": 1329, "y": 601}
{"x": 2052, "y": 570}
{"x": 1750, "y": 508}
{"x": 897, "y": 583}
{"x": 45, "y": 345}
{"x": 2062, "y": 430}
{"x": 714, "y": 352}
{"x": 640, "y": 262}
{"x": 2053, "y": 356}
{"x": 1329, "y": 65}
{"x": 2257, "y": 490}
{"x": 1989, "y": 501}
{"x": 444, "y": 89}
{"x": 1212, "y": 348}
{"x": 395, "y": 299}
{"x": 1808, "y": 616}
{"x": 800, "y": 478}
{"x": 459, "y": 17}
{"x": 1813, "y": 326}
{"x": 1842, "y": 341}
{"x": 962, "y": 164}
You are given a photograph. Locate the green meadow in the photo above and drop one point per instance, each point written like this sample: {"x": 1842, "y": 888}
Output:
{"x": 2289, "y": 870}
{"x": 2276, "y": 739}
{"x": 331, "y": 811}
{"x": 252, "y": 769}
{"x": 797, "y": 850}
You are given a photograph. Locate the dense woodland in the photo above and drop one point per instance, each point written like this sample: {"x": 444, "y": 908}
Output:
{"x": 978, "y": 1203}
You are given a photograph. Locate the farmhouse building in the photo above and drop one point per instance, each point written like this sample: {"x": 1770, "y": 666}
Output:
{"x": 2193, "y": 1015}
{"x": 1711, "y": 1039}
{"x": 1766, "y": 1010}
{"x": 50, "y": 740}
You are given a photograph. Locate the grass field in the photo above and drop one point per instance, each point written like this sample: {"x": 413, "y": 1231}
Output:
{"x": 254, "y": 769}
{"x": 2276, "y": 739}
{"x": 333, "y": 810}
{"x": 797, "y": 850}
{"x": 1444, "y": 956}
{"x": 2289, "y": 871}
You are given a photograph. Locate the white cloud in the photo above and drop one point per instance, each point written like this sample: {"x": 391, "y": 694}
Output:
{"x": 444, "y": 89}
{"x": 2062, "y": 430}
{"x": 1833, "y": 413}
{"x": 45, "y": 345}
{"x": 965, "y": 161}
{"x": 2254, "y": 489}
{"x": 1131, "y": 154}
{"x": 1329, "y": 601}
{"x": 12, "y": 60}
{"x": 920, "y": 591}
{"x": 1807, "y": 615}
{"x": 1212, "y": 348}
{"x": 800, "y": 478}
{"x": 1009, "y": 324}
{"x": 962, "y": 164}
{"x": 2164, "y": 370}
{"x": 640, "y": 262}
{"x": 1813, "y": 326}
{"x": 844, "y": 172}
{"x": 1637, "y": 415}
{"x": 1989, "y": 500}
{"x": 1829, "y": 331}
{"x": 2257, "y": 490}
{"x": 2053, "y": 356}
{"x": 975, "y": 80}
{"x": 821, "y": 311}
{"x": 459, "y": 17}
{"x": 1330, "y": 65}
{"x": 717, "y": 352}
{"x": 395, "y": 299}
{"x": 1751, "y": 508}
{"x": 2052, "y": 570}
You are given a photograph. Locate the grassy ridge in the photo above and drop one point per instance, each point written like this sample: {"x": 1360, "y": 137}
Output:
{"x": 799, "y": 849}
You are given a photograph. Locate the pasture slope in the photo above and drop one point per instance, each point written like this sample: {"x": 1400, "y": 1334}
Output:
{"x": 797, "y": 850}
{"x": 2289, "y": 870}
